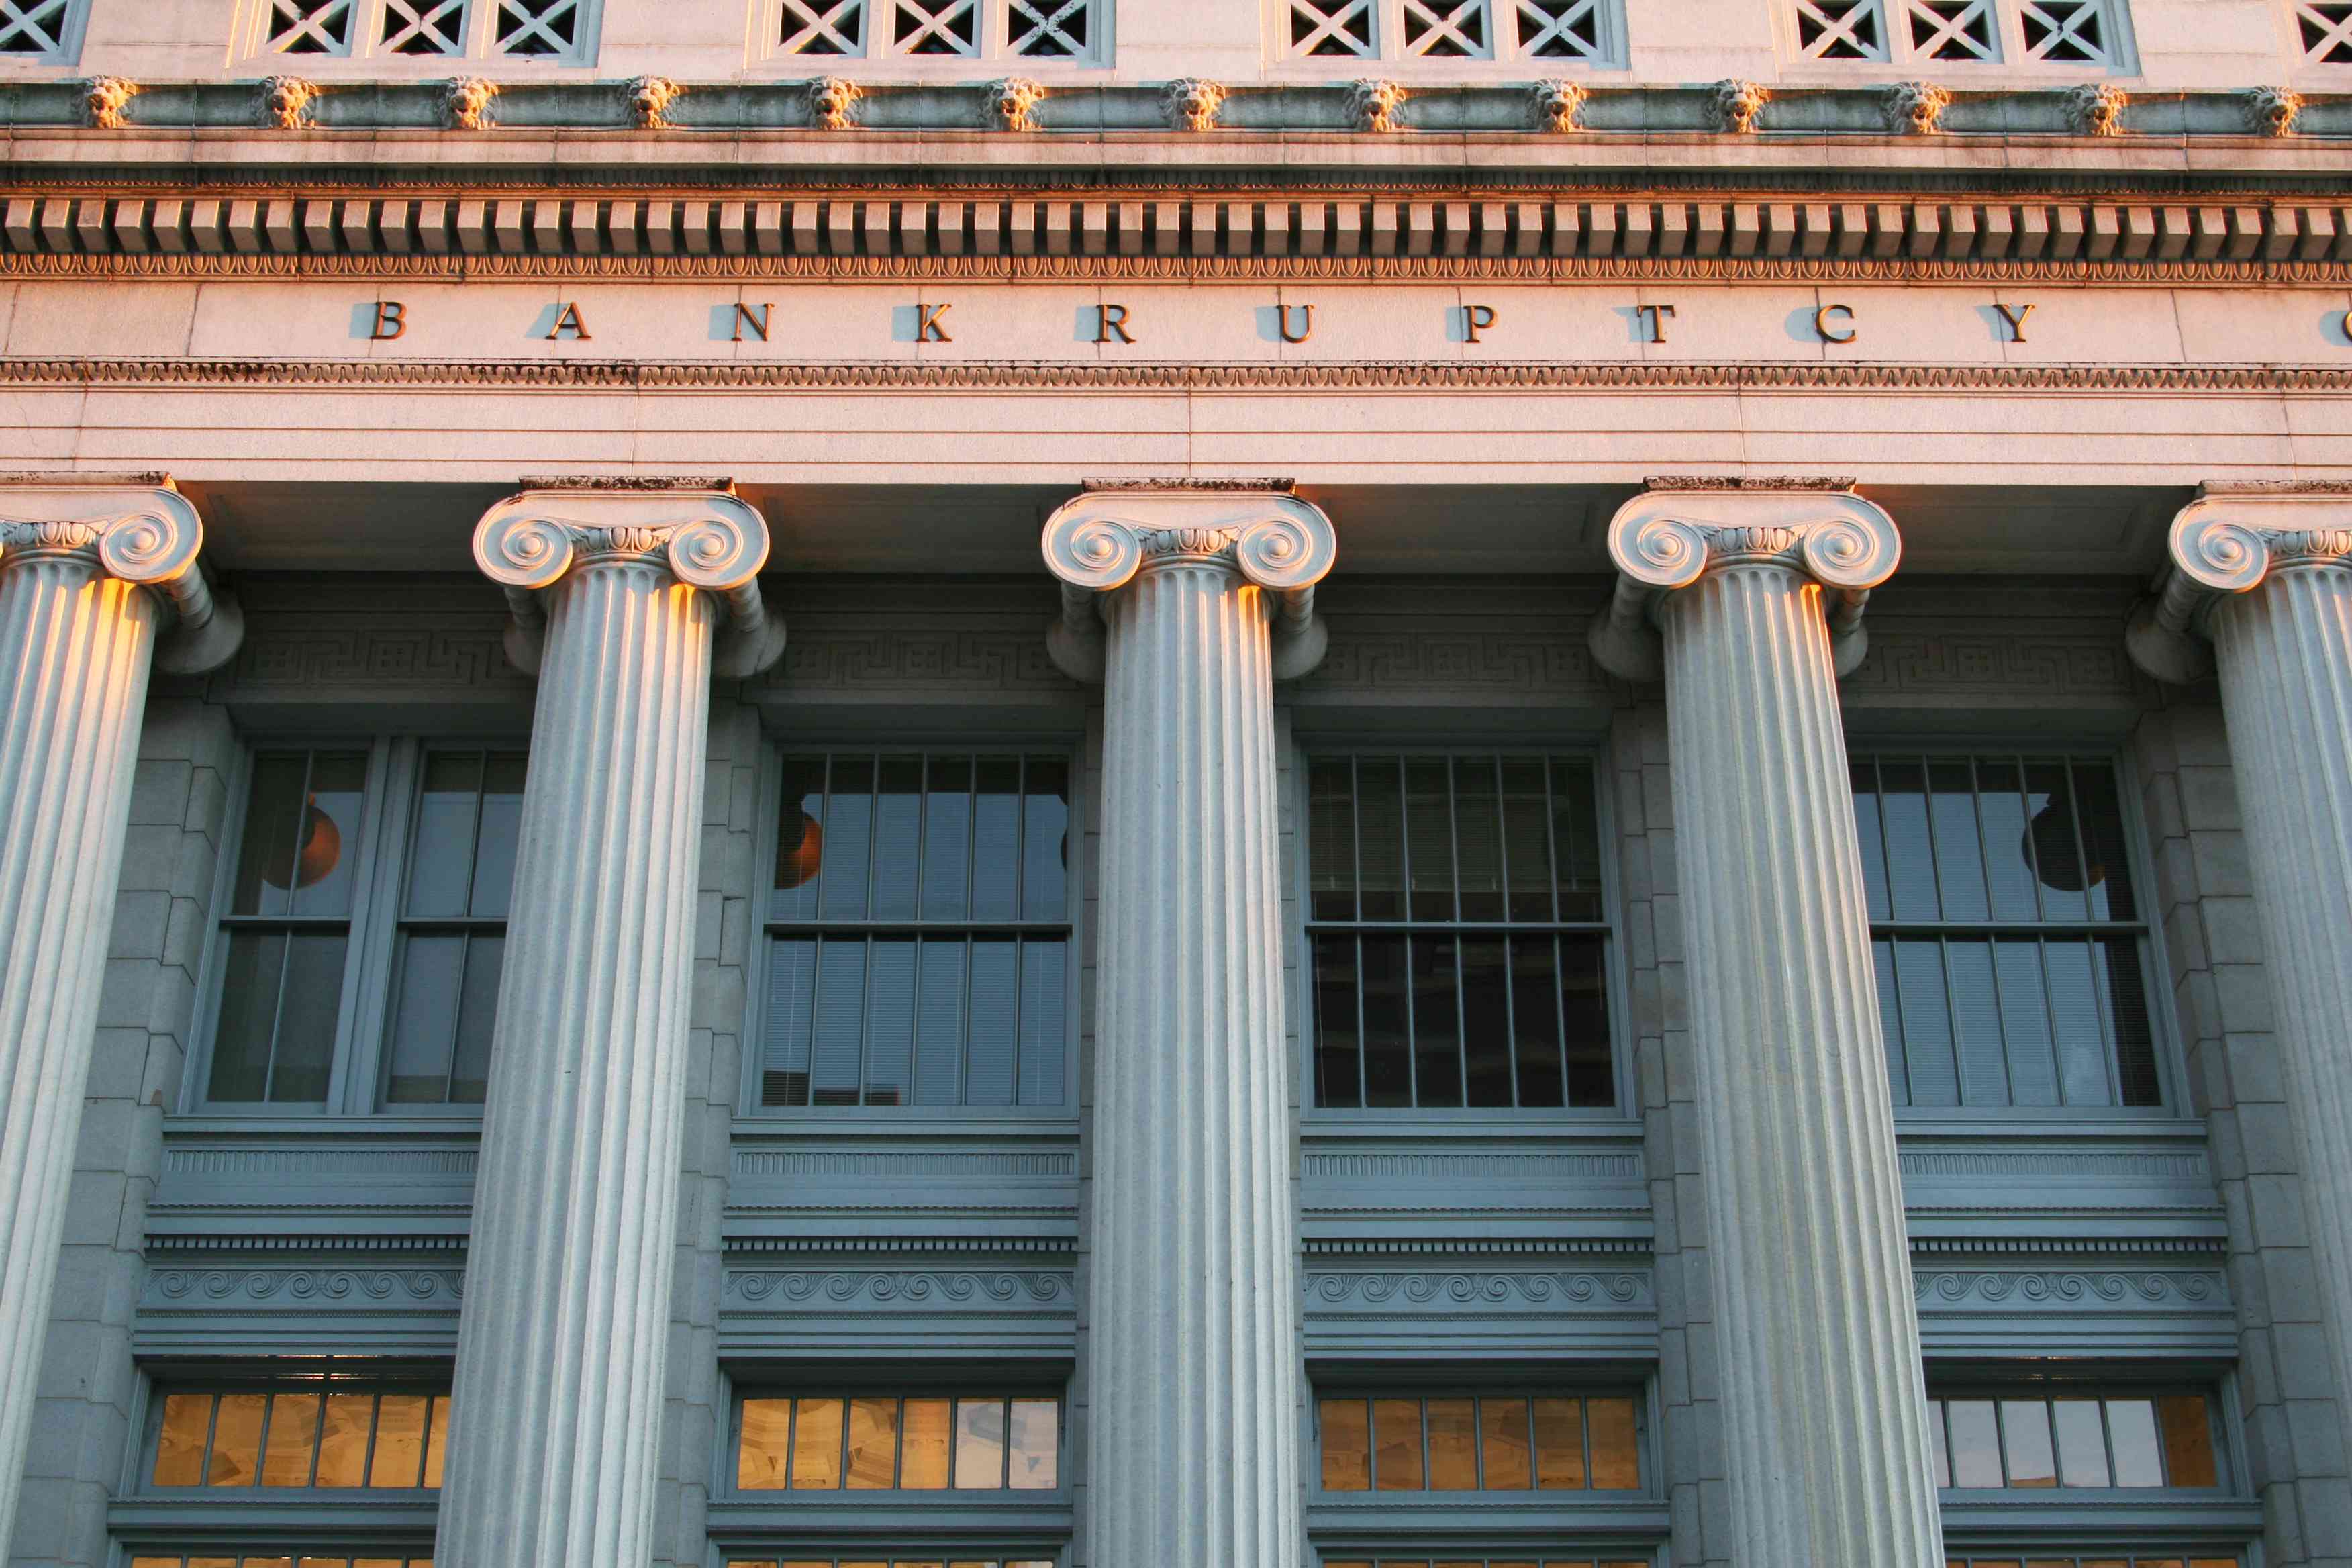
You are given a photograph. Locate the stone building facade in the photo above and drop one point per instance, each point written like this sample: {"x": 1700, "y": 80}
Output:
{"x": 1261, "y": 784}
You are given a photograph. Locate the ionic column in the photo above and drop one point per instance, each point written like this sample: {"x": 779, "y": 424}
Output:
{"x": 2267, "y": 577}
{"x": 90, "y": 573}
{"x": 1187, "y": 605}
{"x": 562, "y": 1347}
{"x": 1758, "y": 592}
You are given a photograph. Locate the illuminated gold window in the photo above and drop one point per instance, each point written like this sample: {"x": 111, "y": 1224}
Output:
{"x": 209, "y": 1558}
{"x": 1451, "y": 1561}
{"x": 2098, "y": 1560}
{"x": 2085, "y": 1441}
{"x": 333, "y": 1437}
{"x": 887, "y": 1443}
{"x": 890, "y": 1563}
{"x": 1481, "y": 1443}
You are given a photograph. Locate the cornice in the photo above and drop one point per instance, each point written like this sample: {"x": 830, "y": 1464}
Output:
{"x": 257, "y": 229}
{"x": 1028, "y": 375}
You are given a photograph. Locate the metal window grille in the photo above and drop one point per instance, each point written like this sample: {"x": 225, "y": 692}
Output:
{"x": 1448, "y": 29}
{"x": 2069, "y": 31}
{"x": 1479, "y": 1443}
{"x": 1842, "y": 30}
{"x": 2323, "y": 27}
{"x": 936, "y": 28}
{"x": 40, "y": 30}
{"x": 540, "y": 29}
{"x": 1953, "y": 30}
{"x": 888, "y": 1443}
{"x": 1050, "y": 29}
{"x": 1346, "y": 28}
{"x": 1459, "y": 943}
{"x": 2089, "y": 1439}
{"x": 918, "y": 931}
{"x": 1564, "y": 29}
{"x": 822, "y": 28}
{"x": 422, "y": 28}
{"x": 339, "y": 1435}
{"x": 2010, "y": 947}
{"x": 310, "y": 27}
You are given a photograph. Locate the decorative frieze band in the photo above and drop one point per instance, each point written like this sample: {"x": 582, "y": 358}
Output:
{"x": 921, "y": 233}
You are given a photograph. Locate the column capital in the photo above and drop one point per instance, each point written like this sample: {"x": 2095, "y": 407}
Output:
{"x": 696, "y": 529}
{"x": 1679, "y": 529}
{"x": 2226, "y": 542}
{"x": 135, "y": 527}
{"x": 1258, "y": 528}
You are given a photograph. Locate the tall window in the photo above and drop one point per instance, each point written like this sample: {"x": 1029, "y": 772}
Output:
{"x": 888, "y": 1443}
{"x": 2089, "y": 1440}
{"x": 918, "y": 931}
{"x": 334, "y": 1434}
{"x": 1456, "y": 920}
{"x": 2010, "y": 943}
{"x": 361, "y": 948}
{"x": 1482, "y": 1443}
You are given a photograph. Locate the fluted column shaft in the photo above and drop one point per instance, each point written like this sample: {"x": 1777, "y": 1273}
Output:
{"x": 1823, "y": 1401}
{"x": 77, "y": 635}
{"x": 1193, "y": 1356}
{"x": 2286, "y": 655}
{"x": 561, "y": 1348}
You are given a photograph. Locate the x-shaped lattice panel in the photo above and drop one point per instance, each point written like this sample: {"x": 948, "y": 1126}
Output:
{"x": 1331, "y": 27}
{"x": 813, "y": 27}
{"x": 1048, "y": 29}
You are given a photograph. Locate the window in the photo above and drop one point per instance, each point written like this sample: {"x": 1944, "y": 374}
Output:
{"x": 41, "y": 32}
{"x": 887, "y": 1443}
{"x": 332, "y": 1434}
{"x": 918, "y": 931}
{"x": 1071, "y": 31}
{"x": 2011, "y": 946}
{"x": 2323, "y": 30}
{"x": 1963, "y": 32}
{"x": 2006, "y": 1441}
{"x": 559, "y": 31}
{"x": 1455, "y": 914}
{"x": 1516, "y": 1560}
{"x": 1559, "y": 31}
{"x": 359, "y": 954}
{"x": 2097, "y": 1560}
{"x": 865, "y": 1561}
{"x": 1483, "y": 1443}
{"x": 305, "y": 1558}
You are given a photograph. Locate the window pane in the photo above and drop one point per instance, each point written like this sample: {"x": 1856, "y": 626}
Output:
{"x": 2188, "y": 1441}
{"x": 1036, "y": 1445}
{"x": 441, "y": 858}
{"x": 1871, "y": 833}
{"x": 1503, "y": 1444}
{"x": 1927, "y": 1023}
{"x": 1536, "y": 995}
{"x": 897, "y": 839}
{"x": 800, "y": 839}
{"x": 2082, "y": 1445}
{"x": 927, "y": 1445}
{"x": 2101, "y": 815}
{"x": 1560, "y": 1445}
{"x": 2126, "y": 996}
{"x": 1576, "y": 839}
{"x": 1486, "y": 1022}
{"x": 789, "y": 1026}
{"x": 2057, "y": 852}
{"x": 1910, "y": 849}
{"x": 873, "y": 1444}
{"x": 848, "y": 839}
{"x": 250, "y": 978}
{"x": 1960, "y": 858}
{"x": 995, "y": 1021}
{"x": 1387, "y": 1060}
{"x": 816, "y": 1445}
{"x": 1975, "y": 1448}
{"x": 1453, "y": 1425}
{"x": 293, "y": 1438}
{"x": 1380, "y": 838}
{"x": 478, "y": 1014}
{"x": 1396, "y": 1445}
{"x": 1976, "y": 1021}
{"x": 344, "y": 1439}
{"x": 947, "y": 840}
{"x": 500, "y": 833}
{"x": 1940, "y": 1461}
{"x": 1429, "y": 837}
{"x": 323, "y": 870}
{"x": 1044, "y": 976}
{"x": 1338, "y": 1081}
{"x": 235, "y": 1457}
{"x": 399, "y": 1456}
{"x": 2075, "y": 1017}
{"x": 1479, "y": 839}
{"x": 436, "y": 1440}
{"x": 1045, "y": 847}
{"x": 2009, "y": 863}
{"x": 2025, "y": 1436}
{"x": 1347, "y": 1445}
{"x": 425, "y": 1018}
{"x": 1890, "y": 1016}
{"x": 980, "y": 1444}
{"x": 996, "y": 838}
{"x": 274, "y": 814}
{"x": 307, "y": 1017}
{"x": 840, "y": 1022}
{"x": 180, "y": 1452}
{"x": 1527, "y": 839}
{"x": 759, "y": 1460}
{"x": 891, "y": 1023}
{"x": 2024, "y": 1001}
{"x": 1584, "y": 1007}
{"x": 1331, "y": 838}
{"x": 1616, "y": 1450}
{"x": 1437, "y": 1022}
{"x": 939, "y": 1023}
{"x": 2131, "y": 1436}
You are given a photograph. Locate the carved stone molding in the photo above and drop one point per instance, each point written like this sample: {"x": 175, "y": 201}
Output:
{"x": 649, "y": 98}
{"x": 147, "y": 536}
{"x": 1012, "y": 104}
{"x": 234, "y": 1289}
{"x": 1194, "y": 103}
{"x": 1100, "y": 542}
{"x": 706, "y": 538}
{"x": 2226, "y": 543}
{"x": 1565, "y": 1292}
{"x": 833, "y": 102}
{"x": 1916, "y": 108}
{"x": 105, "y": 100}
{"x": 1559, "y": 105}
{"x": 2272, "y": 110}
{"x": 1008, "y": 1290}
{"x": 285, "y": 102}
{"x": 1377, "y": 105}
{"x": 1674, "y": 534}
{"x": 467, "y": 101}
{"x": 2197, "y": 1291}
{"x": 1739, "y": 105}
{"x": 2096, "y": 109}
